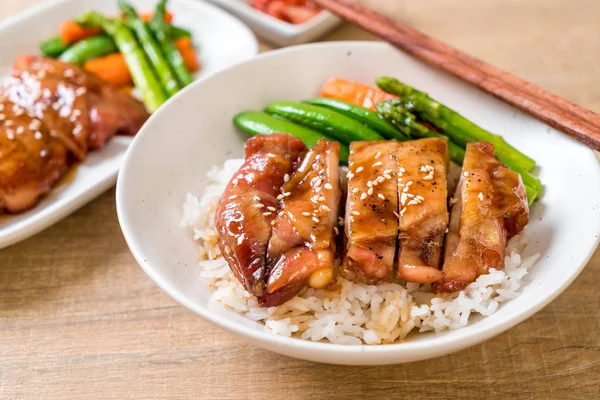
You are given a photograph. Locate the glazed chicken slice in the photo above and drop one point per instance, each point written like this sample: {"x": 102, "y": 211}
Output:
{"x": 31, "y": 161}
{"x": 490, "y": 206}
{"x": 423, "y": 210}
{"x": 247, "y": 210}
{"x": 77, "y": 106}
{"x": 302, "y": 246}
{"x": 371, "y": 223}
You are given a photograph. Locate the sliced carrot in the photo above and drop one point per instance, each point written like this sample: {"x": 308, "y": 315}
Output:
{"x": 111, "y": 69}
{"x": 147, "y": 16}
{"x": 354, "y": 92}
{"x": 188, "y": 52}
{"x": 71, "y": 32}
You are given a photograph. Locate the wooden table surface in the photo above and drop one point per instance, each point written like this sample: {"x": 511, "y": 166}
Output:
{"x": 79, "y": 319}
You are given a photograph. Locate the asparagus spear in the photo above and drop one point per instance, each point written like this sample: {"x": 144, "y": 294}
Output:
{"x": 140, "y": 68}
{"x": 407, "y": 124}
{"x": 405, "y": 121}
{"x": 452, "y": 124}
{"x": 86, "y": 49}
{"x": 151, "y": 47}
{"x": 178, "y": 32}
{"x": 162, "y": 32}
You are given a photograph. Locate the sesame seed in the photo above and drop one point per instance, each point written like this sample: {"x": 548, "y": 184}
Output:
{"x": 387, "y": 176}
{"x": 377, "y": 164}
{"x": 420, "y": 197}
{"x": 381, "y": 196}
{"x": 410, "y": 203}
{"x": 322, "y": 199}
{"x": 286, "y": 194}
{"x": 10, "y": 135}
{"x": 37, "y": 135}
{"x": 428, "y": 177}
{"x": 20, "y": 130}
{"x": 80, "y": 91}
{"x": 402, "y": 211}
{"x": 465, "y": 174}
{"x": 2, "y": 117}
{"x": 273, "y": 223}
{"x": 402, "y": 170}
{"x": 280, "y": 197}
{"x": 336, "y": 230}
{"x": 235, "y": 181}
{"x": 271, "y": 208}
{"x": 315, "y": 219}
{"x": 369, "y": 184}
{"x": 446, "y": 230}
{"x": 480, "y": 195}
{"x": 453, "y": 200}
{"x": 1, "y": 106}
{"x": 363, "y": 196}
{"x": 281, "y": 213}
{"x": 370, "y": 191}
{"x": 354, "y": 190}
{"x": 270, "y": 155}
{"x": 328, "y": 186}
{"x": 69, "y": 73}
{"x": 340, "y": 221}
{"x": 259, "y": 205}
{"x": 388, "y": 171}
{"x": 377, "y": 155}
{"x": 35, "y": 124}
{"x": 403, "y": 198}
{"x": 409, "y": 183}
{"x": 266, "y": 214}
{"x": 256, "y": 198}
{"x": 350, "y": 175}
{"x": 355, "y": 213}
{"x": 359, "y": 169}
{"x": 410, "y": 195}
{"x": 318, "y": 182}
{"x": 306, "y": 214}
{"x": 286, "y": 178}
{"x": 10, "y": 122}
{"x": 325, "y": 208}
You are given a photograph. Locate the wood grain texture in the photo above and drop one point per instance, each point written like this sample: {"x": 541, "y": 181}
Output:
{"x": 568, "y": 117}
{"x": 80, "y": 320}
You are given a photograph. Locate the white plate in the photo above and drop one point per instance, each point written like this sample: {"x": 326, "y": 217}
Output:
{"x": 160, "y": 170}
{"x": 280, "y": 32}
{"x": 222, "y": 41}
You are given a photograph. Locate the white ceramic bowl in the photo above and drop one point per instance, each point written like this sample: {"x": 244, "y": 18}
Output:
{"x": 194, "y": 131}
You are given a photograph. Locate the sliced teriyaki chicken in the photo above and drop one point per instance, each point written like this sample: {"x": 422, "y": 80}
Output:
{"x": 302, "y": 248}
{"x": 490, "y": 206}
{"x": 371, "y": 223}
{"x": 31, "y": 161}
{"x": 247, "y": 210}
{"x": 423, "y": 211}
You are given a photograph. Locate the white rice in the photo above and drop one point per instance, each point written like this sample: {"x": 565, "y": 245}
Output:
{"x": 350, "y": 313}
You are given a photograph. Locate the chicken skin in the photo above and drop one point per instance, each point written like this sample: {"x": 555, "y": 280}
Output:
{"x": 248, "y": 207}
{"x": 302, "y": 246}
{"x": 371, "y": 223}
{"x": 423, "y": 211}
{"x": 490, "y": 206}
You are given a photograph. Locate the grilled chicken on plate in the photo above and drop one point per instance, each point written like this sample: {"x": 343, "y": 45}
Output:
{"x": 302, "y": 246}
{"x": 248, "y": 207}
{"x": 371, "y": 223}
{"x": 489, "y": 207}
{"x": 423, "y": 211}
{"x": 53, "y": 113}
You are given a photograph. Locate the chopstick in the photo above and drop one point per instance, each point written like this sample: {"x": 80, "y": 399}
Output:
{"x": 563, "y": 115}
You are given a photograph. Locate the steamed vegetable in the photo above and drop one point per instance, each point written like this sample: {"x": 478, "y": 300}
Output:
{"x": 53, "y": 47}
{"x": 188, "y": 52}
{"x": 111, "y": 68}
{"x": 328, "y": 122}
{"x": 454, "y": 125}
{"x": 141, "y": 70}
{"x": 260, "y": 123}
{"x": 354, "y": 93}
{"x": 151, "y": 48}
{"x": 87, "y": 49}
{"x": 361, "y": 114}
{"x": 162, "y": 32}
{"x": 72, "y": 32}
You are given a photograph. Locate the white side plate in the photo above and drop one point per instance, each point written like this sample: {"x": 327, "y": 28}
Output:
{"x": 280, "y": 32}
{"x": 222, "y": 40}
